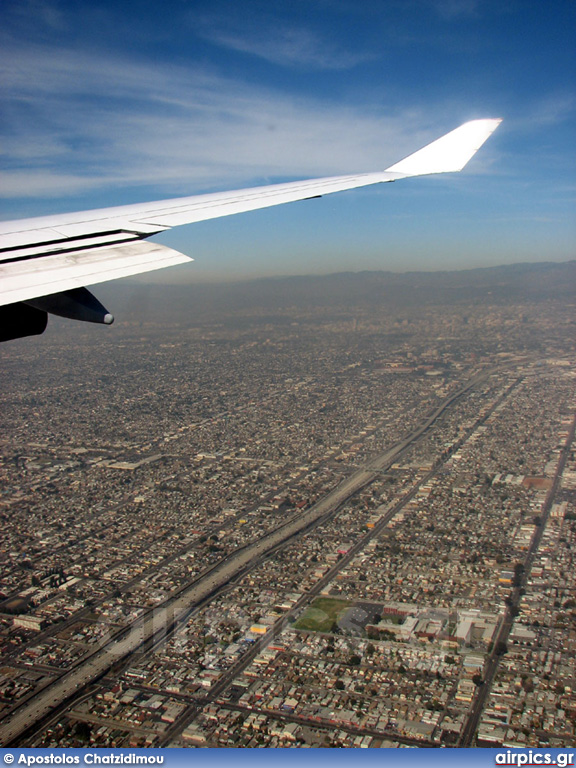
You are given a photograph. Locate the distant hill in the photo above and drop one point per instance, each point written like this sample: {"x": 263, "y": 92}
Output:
{"x": 517, "y": 283}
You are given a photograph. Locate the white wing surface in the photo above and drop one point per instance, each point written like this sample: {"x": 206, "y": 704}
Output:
{"x": 43, "y": 258}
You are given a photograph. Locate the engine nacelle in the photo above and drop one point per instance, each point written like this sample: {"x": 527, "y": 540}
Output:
{"x": 30, "y": 318}
{"x": 19, "y": 320}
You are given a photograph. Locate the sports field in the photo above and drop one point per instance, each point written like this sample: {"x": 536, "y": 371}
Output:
{"x": 322, "y": 614}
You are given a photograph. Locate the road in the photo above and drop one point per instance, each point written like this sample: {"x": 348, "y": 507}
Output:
{"x": 160, "y": 621}
{"x": 482, "y": 692}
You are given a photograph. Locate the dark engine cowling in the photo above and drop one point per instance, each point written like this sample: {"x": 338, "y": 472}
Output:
{"x": 18, "y": 320}
{"x": 31, "y": 317}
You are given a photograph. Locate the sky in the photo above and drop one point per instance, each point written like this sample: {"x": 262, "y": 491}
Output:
{"x": 105, "y": 103}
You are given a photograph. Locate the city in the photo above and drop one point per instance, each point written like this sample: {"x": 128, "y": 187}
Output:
{"x": 310, "y": 526}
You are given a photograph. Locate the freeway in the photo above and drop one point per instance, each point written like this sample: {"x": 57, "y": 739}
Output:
{"x": 161, "y": 620}
{"x": 247, "y": 658}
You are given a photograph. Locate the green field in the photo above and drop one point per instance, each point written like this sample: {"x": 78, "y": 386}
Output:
{"x": 322, "y": 614}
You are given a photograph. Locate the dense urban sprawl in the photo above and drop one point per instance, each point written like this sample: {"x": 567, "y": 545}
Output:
{"x": 351, "y": 529}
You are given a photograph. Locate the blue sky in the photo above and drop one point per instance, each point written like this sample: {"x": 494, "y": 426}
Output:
{"x": 105, "y": 103}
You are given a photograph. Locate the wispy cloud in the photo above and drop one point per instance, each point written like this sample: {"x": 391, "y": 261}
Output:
{"x": 282, "y": 44}
{"x": 80, "y": 122}
{"x": 447, "y": 10}
{"x": 47, "y": 16}
{"x": 452, "y": 9}
{"x": 554, "y": 109}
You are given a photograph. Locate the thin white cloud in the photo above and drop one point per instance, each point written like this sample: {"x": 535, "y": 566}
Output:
{"x": 76, "y": 122}
{"x": 451, "y": 9}
{"x": 448, "y": 10}
{"x": 552, "y": 110}
{"x": 44, "y": 183}
{"x": 46, "y": 16}
{"x": 285, "y": 45}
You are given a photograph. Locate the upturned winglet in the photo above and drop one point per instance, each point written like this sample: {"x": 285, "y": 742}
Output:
{"x": 450, "y": 152}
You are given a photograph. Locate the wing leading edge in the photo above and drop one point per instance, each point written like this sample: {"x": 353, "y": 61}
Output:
{"x": 47, "y": 258}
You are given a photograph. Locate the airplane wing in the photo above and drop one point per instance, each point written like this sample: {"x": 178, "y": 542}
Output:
{"x": 46, "y": 262}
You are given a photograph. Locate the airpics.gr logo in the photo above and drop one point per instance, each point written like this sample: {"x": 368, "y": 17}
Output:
{"x": 562, "y": 760}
